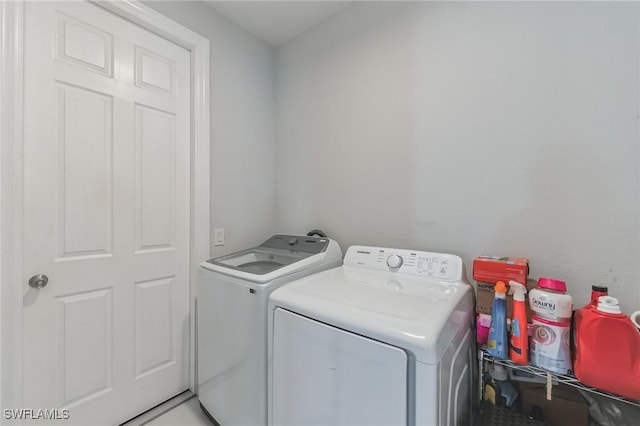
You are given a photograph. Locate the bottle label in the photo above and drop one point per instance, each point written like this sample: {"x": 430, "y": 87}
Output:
{"x": 550, "y": 346}
{"x": 515, "y": 328}
{"x": 490, "y": 394}
{"x": 551, "y": 306}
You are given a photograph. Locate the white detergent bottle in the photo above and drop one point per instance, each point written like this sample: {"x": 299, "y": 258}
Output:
{"x": 551, "y": 308}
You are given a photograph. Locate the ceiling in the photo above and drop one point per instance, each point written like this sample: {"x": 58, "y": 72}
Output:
{"x": 277, "y": 22}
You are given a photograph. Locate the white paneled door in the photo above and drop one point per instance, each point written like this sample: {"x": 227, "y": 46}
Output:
{"x": 107, "y": 194}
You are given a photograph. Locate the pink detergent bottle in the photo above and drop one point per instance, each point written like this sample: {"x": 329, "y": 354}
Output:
{"x": 607, "y": 344}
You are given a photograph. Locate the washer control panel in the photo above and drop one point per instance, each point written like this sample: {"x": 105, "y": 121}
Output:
{"x": 441, "y": 266}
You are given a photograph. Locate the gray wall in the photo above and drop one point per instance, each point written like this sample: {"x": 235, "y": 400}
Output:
{"x": 242, "y": 125}
{"x": 473, "y": 128}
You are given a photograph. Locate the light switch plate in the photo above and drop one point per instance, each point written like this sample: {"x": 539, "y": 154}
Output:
{"x": 218, "y": 236}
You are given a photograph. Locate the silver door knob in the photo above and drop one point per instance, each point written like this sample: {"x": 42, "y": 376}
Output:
{"x": 38, "y": 281}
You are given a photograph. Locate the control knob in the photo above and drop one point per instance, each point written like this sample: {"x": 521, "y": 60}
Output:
{"x": 394, "y": 261}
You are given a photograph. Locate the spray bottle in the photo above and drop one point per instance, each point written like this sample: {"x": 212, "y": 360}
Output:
{"x": 519, "y": 350}
{"x": 497, "y": 342}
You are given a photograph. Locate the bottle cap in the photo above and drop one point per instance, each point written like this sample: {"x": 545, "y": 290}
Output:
{"x": 500, "y": 372}
{"x": 552, "y": 284}
{"x": 600, "y": 289}
{"x": 609, "y": 305}
{"x": 500, "y": 287}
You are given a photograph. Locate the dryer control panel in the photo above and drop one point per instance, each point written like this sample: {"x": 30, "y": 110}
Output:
{"x": 440, "y": 266}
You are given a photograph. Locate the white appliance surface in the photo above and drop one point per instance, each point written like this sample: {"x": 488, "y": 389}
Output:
{"x": 388, "y": 301}
{"x": 414, "y": 307}
{"x": 232, "y": 321}
{"x": 309, "y": 345}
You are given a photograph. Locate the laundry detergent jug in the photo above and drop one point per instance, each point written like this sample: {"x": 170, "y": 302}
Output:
{"x": 607, "y": 344}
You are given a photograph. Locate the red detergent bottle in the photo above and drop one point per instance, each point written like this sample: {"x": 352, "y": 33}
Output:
{"x": 596, "y": 293}
{"x": 607, "y": 347}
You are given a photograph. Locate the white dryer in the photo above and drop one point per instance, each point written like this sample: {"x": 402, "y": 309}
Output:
{"x": 233, "y": 292}
{"x": 386, "y": 339}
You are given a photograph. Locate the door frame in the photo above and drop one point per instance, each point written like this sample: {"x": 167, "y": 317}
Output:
{"x": 12, "y": 279}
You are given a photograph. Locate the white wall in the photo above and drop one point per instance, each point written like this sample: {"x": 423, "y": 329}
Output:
{"x": 242, "y": 125}
{"x": 505, "y": 128}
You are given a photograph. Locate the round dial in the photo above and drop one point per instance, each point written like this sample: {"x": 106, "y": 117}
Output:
{"x": 394, "y": 261}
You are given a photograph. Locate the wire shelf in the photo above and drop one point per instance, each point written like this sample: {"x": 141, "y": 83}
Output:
{"x": 560, "y": 378}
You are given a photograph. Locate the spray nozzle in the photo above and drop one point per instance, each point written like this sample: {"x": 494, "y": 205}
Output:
{"x": 518, "y": 290}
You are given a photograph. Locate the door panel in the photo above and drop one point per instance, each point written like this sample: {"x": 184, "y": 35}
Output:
{"x": 155, "y": 180}
{"x": 86, "y": 355}
{"x": 85, "y": 138}
{"x": 154, "y": 334}
{"x": 107, "y": 197}
{"x": 84, "y": 45}
{"x": 154, "y": 72}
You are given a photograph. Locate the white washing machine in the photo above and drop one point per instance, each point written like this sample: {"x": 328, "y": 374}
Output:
{"x": 233, "y": 292}
{"x": 386, "y": 339}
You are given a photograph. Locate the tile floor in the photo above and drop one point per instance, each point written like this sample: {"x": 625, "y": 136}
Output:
{"x": 183, "y": 410}
{"x": 188, "y": 413}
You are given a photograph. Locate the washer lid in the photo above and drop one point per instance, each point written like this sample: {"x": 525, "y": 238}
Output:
{"x": 258, "y": 260}
{"x": 420, "y": 314}
{"x": 278, "y": 256}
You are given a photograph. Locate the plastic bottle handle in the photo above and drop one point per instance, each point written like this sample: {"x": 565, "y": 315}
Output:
{"x": 634, "y": 319}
